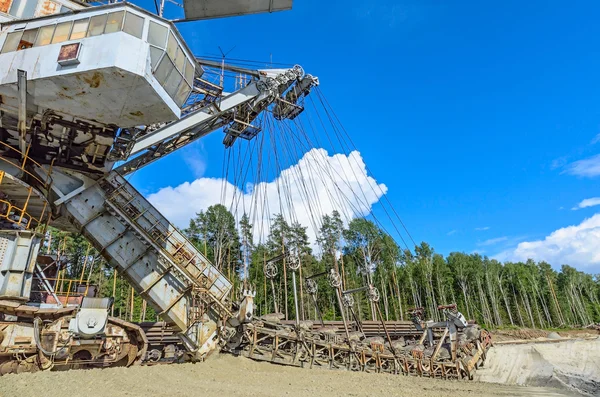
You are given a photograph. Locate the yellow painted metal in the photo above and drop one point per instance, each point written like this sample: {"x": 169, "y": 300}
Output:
{"x": 25, "y": 207}
{"x": 12, "y": 209}
{"x": 24, "y": 164}
{"x": 71, "y": 286}
{"x": 87, "y": 252}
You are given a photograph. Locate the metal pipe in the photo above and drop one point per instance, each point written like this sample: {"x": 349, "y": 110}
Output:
{"x": 359, "y": 289}
{"x": 314, "y": 298}
{"x": 295, "y": 297}
{"x": 225, "y": 66}
{"x": 274, "y": 299}
{"x": 339, "y": 299}
{"x": 387, "y": 334}
{"x": 22, "y": 123}
{"x": 317, "y": 275}
{"x": 356, "y": 320}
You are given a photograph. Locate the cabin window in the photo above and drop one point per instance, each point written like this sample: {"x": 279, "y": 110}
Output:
{"x": 164, "y": 69}
{"x": 182, "y": 93}
{"x": 62, "y": 32}
{"x": 27, "y": 39}
{"x": 155, "y": 54}
{"x": 189, "y": 71}
{"x": 23, "y": 9}
{"x": 172, "y": 83}
{"x": 133, "y": 25}
{"x": 97, "y": 25}
{"x": 79, "y": 29}
{"x": 157, "y": 34}
{"x": 172, "y": 46}
{"x": 12, "y": 42}
{"x": 44, "y": 36}
{"x": 114, "y": 22}
{"x": 180, "y": 60}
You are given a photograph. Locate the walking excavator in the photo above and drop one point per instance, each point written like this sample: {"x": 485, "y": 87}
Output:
{"x": 90, "y": 94}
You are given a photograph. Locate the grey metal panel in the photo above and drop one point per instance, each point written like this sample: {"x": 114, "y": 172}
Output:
{"x": 18, "y": 250}
{"x": 205, "y": 9}
{"x": 156, "y": 258}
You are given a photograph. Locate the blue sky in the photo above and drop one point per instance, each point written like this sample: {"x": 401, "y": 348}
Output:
{"x": 473, "y": 114}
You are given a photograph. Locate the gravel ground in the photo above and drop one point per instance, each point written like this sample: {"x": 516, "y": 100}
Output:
{"x": 235, "y": 376}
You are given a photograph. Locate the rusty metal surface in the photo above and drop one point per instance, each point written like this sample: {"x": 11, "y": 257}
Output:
{"x": 48, "y": 7}
{"x": 5, "y": 6}
{"x": 372, "y": 328}
{"x": 164, "y": 346}
{"x": 122, "y": 343}
{"x": 294, "y": 346}
{"x": 161, "y": 330}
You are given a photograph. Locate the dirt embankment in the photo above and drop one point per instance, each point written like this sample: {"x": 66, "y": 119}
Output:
{"x": 572, "y": 365}
{"x": 225, "y": 376}
{"x": 536, "y": 334}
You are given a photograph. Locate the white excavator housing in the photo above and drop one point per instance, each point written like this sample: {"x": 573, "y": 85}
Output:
{"x": 114, "y": 65}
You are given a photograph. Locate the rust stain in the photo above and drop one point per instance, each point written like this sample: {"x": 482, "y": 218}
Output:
{"x": 48, "y": 8}
{"x": 80, "y": 93}
{"x": 137, "y": 113}
{"x": 94, "y": 81}
{"x": 60, "y": 94}
{"x": 5, "y": 5}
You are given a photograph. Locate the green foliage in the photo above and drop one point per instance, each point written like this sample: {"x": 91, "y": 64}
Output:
{"x": 83, "y": 264}
{"x": 503, "y": 295}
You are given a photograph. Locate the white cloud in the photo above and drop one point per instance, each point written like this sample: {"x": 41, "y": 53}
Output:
{"x": 589, "y": 202}
{"x": 596, "y": 139}
{"x": 451, "y": 232}
{"x": 492, "y": 241}
{"x": 588, "y": 167}
{"x": 480, "y": 229}
{"x": 316, "y": 185}
{"x": 194, "y": 157}
{"x": 577, "y": 245}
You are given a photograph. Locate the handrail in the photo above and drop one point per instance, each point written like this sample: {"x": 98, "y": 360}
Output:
{"x": 13, "y": 210}
{"x": 26, "y": 160}
{"x": 72, "y": 284}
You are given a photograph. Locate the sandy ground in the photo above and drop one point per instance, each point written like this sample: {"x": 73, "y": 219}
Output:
{"x": 235, "y": 376}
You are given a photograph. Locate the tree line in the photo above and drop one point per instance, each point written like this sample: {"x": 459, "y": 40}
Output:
{"x": 521, "y": 294}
